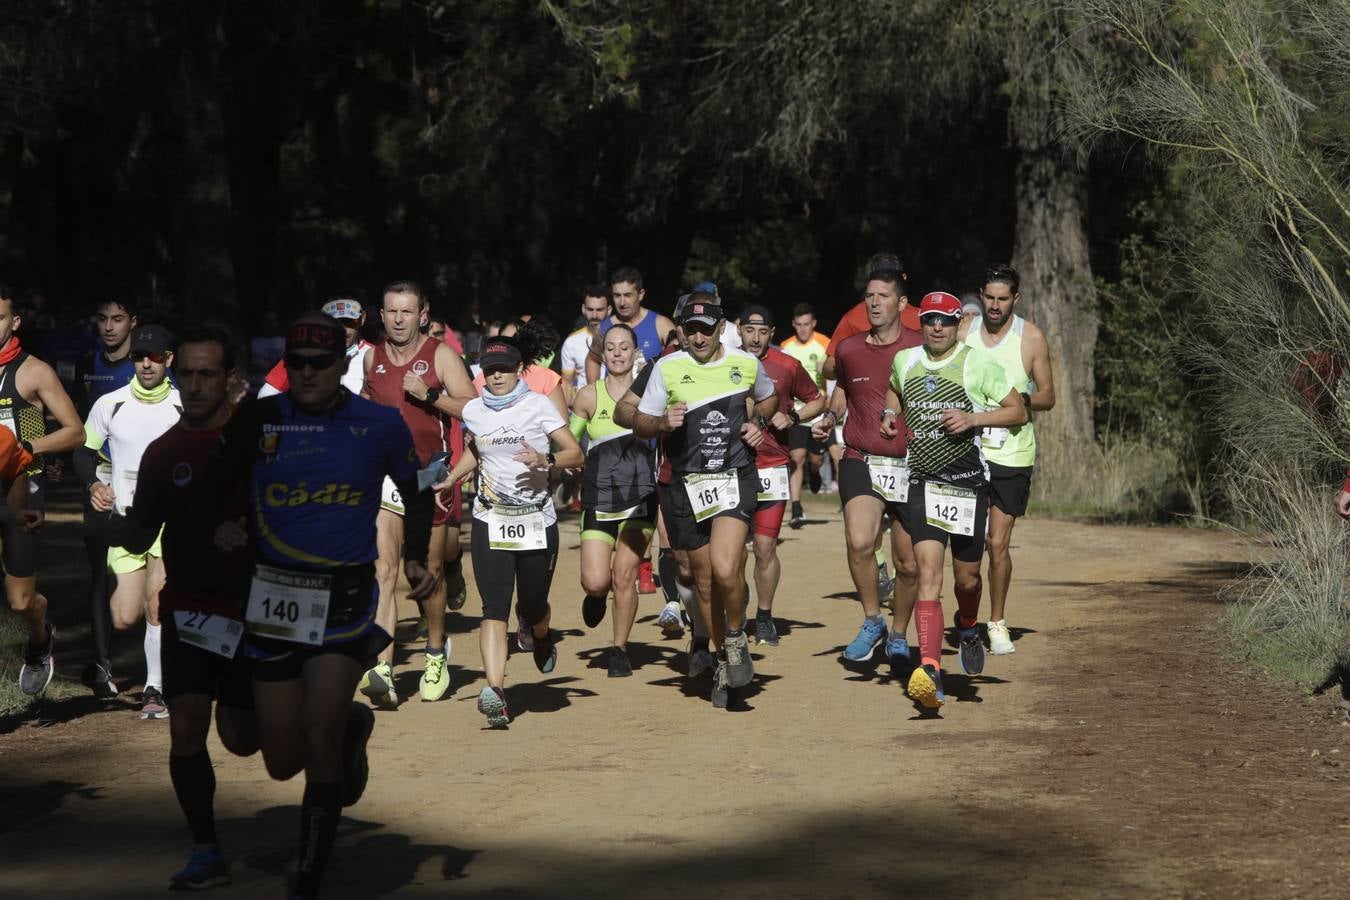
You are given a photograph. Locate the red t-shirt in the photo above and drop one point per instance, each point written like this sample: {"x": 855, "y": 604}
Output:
{"x": 431, "y": 429}
{"x": 790, "y": 380}
{"x": 855, "y": 321}
{"x": 171, "y": 490}
{"x": 863, "y": 370}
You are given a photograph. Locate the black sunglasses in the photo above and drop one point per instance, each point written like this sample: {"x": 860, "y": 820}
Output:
{"x": 934, "y": 318}
{"x": 318, "y": 362}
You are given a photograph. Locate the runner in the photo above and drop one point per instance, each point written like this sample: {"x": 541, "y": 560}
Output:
{"x": 29, "y": 390}
{"x": 413, "y": 374}
{"x": 199, "y": 603}
{"x": 942, "y": 393}
{"x": 698, "y": 399}
{"x": 595, "y": 306}
{"x": 514, "y": 543}
{"x": 1019, "y": 348}
{"x": 652, "y": 328}
{"x": 793, "y": 385}
{"x": 872, "y": 476}
{"x": 99, "y": 373}
{"x": 311, "y": 461}
{"x": 807, "y": 346}
{"x": 17, "y": 524}
{"x": 351, "y": 316}
{"x": 618, "y": 496}
{"x": 127, "y": 420}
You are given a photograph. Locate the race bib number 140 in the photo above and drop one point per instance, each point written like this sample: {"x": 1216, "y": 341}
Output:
{"x": 292, "y": 606}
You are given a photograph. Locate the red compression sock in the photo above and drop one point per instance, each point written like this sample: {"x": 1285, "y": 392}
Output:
{"x": 969, "y": 603}
{"x": 928, "y": 622}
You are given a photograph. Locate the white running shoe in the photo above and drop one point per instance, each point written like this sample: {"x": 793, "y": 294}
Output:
{"x": 670, "y": 620}
{"x": 999, "y": 642}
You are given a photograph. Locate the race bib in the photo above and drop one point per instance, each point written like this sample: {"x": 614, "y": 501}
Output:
{"x": 773, "y": 484}
{"x": 622, "y": 515}
{"x": 292, "y": 606}
{"x": 890, "y": 477}
{"x": 712, "y": 494}
{"x": 950, "y": 508}
{"x": 215, "y": 634}
{"x": 390, "y": 498}
{"x": 993, "y": 438}
{"x": 517, "y": 528}
{"x": 104, "y": 473}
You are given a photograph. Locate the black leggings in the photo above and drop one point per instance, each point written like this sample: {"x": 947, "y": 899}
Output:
{"x": 500, "y": 572}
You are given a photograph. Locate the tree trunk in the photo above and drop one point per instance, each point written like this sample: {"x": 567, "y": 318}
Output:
{"x": 195, "y": 170}
{"x": 1051, "y": 245}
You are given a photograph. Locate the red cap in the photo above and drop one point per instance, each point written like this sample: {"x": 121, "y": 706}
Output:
{"x": 940, "y": 302}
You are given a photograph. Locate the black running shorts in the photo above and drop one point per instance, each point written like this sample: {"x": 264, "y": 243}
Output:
{"x": 1010, "y": 488}
{"x": 189, "y": 669}
{"x": 678, "y": 512}
{"x": 20, "y": 546}
{"x": 966, "y": 549}
{"x": 856, "y": 481}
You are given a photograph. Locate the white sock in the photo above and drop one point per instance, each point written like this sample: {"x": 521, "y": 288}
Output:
{"x": 689, "y": 597}
{"x": 153, "y": 677}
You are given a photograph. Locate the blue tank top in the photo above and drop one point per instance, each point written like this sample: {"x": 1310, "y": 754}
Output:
{"x": 103, "y": 377}
{"x": 648, "y": 341}
{"x": 314, "y": 482}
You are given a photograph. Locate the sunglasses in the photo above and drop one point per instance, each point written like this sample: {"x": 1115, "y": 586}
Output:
{"x": 692, "y": 327}
{"x": 298, "y": 362}
{"x": 157, "y": 358}
{"x": 939, "y": 318}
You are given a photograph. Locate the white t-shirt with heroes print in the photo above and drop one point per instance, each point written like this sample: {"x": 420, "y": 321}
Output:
{"x": 498, "y": 436}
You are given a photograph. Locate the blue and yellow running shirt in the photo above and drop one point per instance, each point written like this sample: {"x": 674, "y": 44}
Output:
{"x": 313, "y": 481}
{"x": 714, "y": 393}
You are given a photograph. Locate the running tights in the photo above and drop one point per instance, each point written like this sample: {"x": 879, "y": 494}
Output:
{"x": 100, "y": 613}
{"x": 319, "y": 814}
{"x": 499, "y": 573}
{"x": 194, "y": 782}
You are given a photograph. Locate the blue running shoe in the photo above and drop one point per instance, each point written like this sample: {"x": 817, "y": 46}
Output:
{"x": 897, "y": 650}
{"x": 872, "y": 633}
{"x": 972, "y": 649}
{"x": 925, "y": 686}
{"x": 205, "y": 868}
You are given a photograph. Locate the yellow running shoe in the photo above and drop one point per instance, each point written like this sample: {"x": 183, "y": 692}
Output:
{"x": 435, "y": 679}
{"x": 378, "y": 685}
{"x": 925, "y": 686}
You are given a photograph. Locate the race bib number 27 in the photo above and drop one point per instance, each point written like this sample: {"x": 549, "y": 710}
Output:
{"x": 215, "y": 634}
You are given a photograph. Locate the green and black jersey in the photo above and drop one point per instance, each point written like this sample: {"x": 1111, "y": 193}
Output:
{"x": 715, "y": 393}
{"x": 967, "y": 381}
{"x": 620, "y": 466}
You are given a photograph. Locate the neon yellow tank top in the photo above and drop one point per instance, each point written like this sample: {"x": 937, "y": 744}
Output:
{"x": 1007, "y": 446}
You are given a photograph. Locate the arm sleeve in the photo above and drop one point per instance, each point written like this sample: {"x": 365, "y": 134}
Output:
{"x": 654, "y": 397}
{"x": 577, "y": 425}
{"x": 763, "y": 388}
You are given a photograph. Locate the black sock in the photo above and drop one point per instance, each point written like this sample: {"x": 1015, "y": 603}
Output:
{"x": 454, "y": 568}
{"x": 797, "y": 509}
{"x": 319, "y": 813}
{"x": 698, "y": 643}
{"x": 763, "y": 614}
{"x": 194, "y": 781}
{"x": 667, "y": 571}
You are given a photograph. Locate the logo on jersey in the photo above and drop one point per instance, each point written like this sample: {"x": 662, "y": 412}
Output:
{"x": 379, "y": 369}
{"x": 930, "y": 383}
{"x": 715, "y": 417}
{"x": 735, "y": 375}
{"x": 277, "y": 495}
{"x": 269, "y": 442}
{"x": 357, "y": 430}
{"x": 687, "y": 379}
{"x": 182, "y": 474}
{"x": 420, "y": 367}
{"x": 604, "y": 414}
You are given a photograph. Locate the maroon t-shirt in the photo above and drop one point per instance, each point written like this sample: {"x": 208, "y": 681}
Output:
{"x": 863, "y": 370}
{"x": 430, "y": 427}
{"x": 789, "y": 381}
{"x": 171, "y": 490}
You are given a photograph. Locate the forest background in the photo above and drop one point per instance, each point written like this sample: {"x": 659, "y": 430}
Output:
{"x": 1170, "y": 178}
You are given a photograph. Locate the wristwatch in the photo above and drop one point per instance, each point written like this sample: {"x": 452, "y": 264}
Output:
{"x": 26, "y": 446}
{"x": 434, "y": 394}
{"x": 793, "y": 417}
{"x": 552, "y": 460}
{"x": 888, "y": 411}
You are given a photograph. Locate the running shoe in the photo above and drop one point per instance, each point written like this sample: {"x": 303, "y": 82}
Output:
{"x": 671, "y": 620}
{"x": 646, "y": 584}
{"x": 700, "y": 661}
{"x": 205, "y": 869}
{"x": 798, "y": 517}
{"x": 740, "y": 668}
{"x": 38, "y": 665}
{"x": 620, "y": 666}
{"x": 897, "y": 650}
{"x": 97, "y": 676}
{"x": 593, "y": 610}
{"x": 872, "y": 633}
{"x": 355, "y": 759}
{"x": 378, "y": 685}
{"x": 456, "y": 591}
{"x": 719, "y": 688}
{"x": 885, "y": 585}
{"x": 152, "y": 704}
{"x": 1000, "y": 643}
{"x": 925, "y": 686}
{"x": 765, "y": 631}
{"x": 545, "y": 652}
{"x": 524, "y": 637}
{"x": 492, "y": 703}
{"x": 435, "y": 679}
{"x": 972, "y": 648}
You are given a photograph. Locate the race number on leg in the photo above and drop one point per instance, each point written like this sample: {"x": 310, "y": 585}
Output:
{"x": 711, "y": 495}
{"x": 292, "y": 606}
{"x": 773, "y": 484}
{"x": 950, "y": 508}
{"x": 889, "y": 477}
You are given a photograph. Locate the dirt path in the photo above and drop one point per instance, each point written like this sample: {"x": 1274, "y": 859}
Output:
{"x": 1115, "y": 754}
